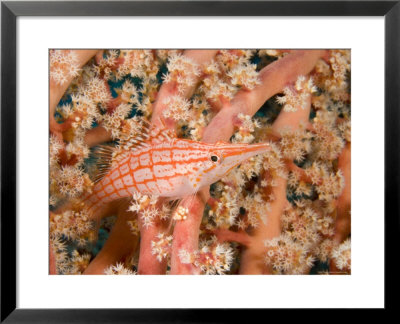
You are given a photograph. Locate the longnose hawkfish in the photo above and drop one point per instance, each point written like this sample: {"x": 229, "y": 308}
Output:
{"x": 158, "y": 163}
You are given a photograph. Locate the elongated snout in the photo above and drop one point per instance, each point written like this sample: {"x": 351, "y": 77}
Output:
{"x": 234, "y": 154}
{"x": 223, "y": 158}
{"x": 243, "y": 151}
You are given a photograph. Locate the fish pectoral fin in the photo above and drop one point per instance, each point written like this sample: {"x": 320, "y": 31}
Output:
{"x": 173, "y": 202}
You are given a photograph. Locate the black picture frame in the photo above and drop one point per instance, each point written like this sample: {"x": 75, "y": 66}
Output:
{"x": 11, "y": 10}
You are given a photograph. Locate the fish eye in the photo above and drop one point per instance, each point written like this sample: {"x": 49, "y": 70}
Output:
{"x": 214, "y": 158}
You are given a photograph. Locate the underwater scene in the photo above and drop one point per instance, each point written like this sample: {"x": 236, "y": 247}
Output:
{"x": 201, "y": 162}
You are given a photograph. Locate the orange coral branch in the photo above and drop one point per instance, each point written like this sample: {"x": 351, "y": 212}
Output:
{"x": 96, "y": 136}
{"x": 52, "y": 261}
{"x": 225, "y": 235}
{"x": 121, "y": 244}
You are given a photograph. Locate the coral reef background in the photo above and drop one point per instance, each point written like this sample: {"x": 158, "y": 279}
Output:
{"x": 283, "y": 212}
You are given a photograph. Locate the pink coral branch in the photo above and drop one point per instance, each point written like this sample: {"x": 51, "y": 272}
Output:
{"x": 58, "y": 90}
{"x": 199, "y": 57}
{"x": 186, "y": 234}
{"x": 252, "y": 261}
{"x": 252, "y": 258}
{"x": 343, "y": 217}
{"x": 274, "y": 78}
{"x": 148, "y": 263}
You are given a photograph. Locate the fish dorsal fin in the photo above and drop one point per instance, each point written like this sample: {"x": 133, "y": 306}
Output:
{"x": 148, "y": 135}
{"x": 160, "y": 133}
{"x": 128, "y": 142}
{"x": 103, "y": 155}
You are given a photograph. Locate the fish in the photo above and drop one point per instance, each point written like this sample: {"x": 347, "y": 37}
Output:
{"x": 158, "y": 163}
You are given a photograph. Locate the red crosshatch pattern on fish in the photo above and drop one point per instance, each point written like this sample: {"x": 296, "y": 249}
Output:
{"x": 169, "y": 169}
